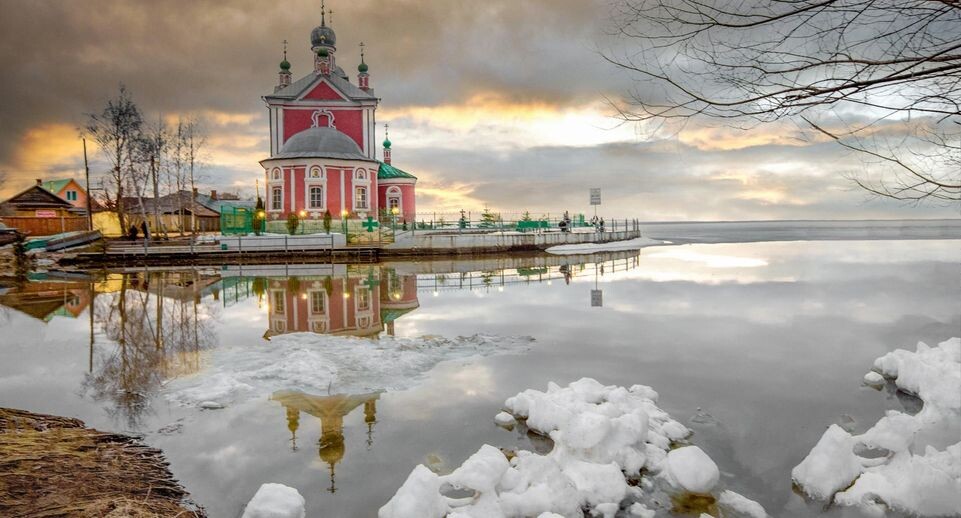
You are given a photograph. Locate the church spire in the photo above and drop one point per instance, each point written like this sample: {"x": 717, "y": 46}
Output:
{"x": 387, "y": 144}
{"x": 323, "y": 43}
{"x": 363, "y": 78}
{"x": 284, "y": 74}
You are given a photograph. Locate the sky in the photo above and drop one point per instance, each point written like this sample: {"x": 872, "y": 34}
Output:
{"x": 502, "y": 104}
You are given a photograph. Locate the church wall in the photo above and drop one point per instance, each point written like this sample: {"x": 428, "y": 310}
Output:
{"x": 407, "y": 196}
{"x": 350, "y": 122}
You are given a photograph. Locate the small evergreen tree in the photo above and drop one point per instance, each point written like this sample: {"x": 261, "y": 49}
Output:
{"x": 527, "y": 216}
{"x": 292, "y": 223}
{"x": 488, "y": 219}
{"x": 259, "y": 212}
{"x": 327, "y": 220}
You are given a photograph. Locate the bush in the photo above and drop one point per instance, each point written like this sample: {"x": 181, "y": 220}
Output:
{"x": 292, "y": 223}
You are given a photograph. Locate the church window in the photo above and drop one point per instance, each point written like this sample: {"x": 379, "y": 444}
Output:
{"x": 315, "y": 173}
{"x": 279, "y": 302}
{"x": 316, "y": 197}
{"x": 363, "y": 299}
{"x": 360, "y": 197}
{"x": 361, "y": 174}
{"x": 276, "y": 198}
{"x": 317, "y": 303}
{"x": 276, "y": 175}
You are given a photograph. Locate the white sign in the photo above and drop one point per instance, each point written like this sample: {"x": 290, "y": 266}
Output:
{"x": 597, "y": 298}
{"x": 43, "y": 213}
{"x": 595, "y": 196}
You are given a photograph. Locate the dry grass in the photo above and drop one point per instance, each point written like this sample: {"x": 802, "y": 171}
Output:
{"x": 53, "y": 466}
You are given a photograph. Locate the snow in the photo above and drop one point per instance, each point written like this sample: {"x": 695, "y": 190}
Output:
{"x": 276, "y": 501}
{"x": 873, "y": 379}
{"x": 210, "y": 405}
{"x": 915, "y": 467}
{"x": 504, "y": 419}
{"x": 317, "y": 363}
{"x": 604, "y": 436}
{"x": 735, "y": 504}
{"x": 690, "y": 469}
{"x": 614, "y": 246}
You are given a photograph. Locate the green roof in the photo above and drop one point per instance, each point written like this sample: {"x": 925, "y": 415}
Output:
{"x": 388, "y": 171}
{"x": 55, "y": 186}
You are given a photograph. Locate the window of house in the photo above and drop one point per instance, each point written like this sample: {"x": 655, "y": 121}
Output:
{"x": 360, "y": 197}
{"x": 276, "y": 198}
{"x": 279, "y": 302}
{"x": 393, "y": 203}
{"x": 316, "y": 197}
{"x": 363, "y": 299}
{"x": 71, "y": 195}
{"x": 317, "y": 303}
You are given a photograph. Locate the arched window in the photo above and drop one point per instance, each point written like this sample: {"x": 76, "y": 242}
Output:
{"x": 275, "y": 175}
{"x": 277, "y": 198}
{"x": 316, "y": 200}
{"x": 315, "y": 172}
{"x": 394, "y": 200}
{"x": 360, "y": 174}
{"x": 360, "y": 198}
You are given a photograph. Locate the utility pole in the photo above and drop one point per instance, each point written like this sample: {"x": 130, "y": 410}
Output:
{"x": 86, "y": 169}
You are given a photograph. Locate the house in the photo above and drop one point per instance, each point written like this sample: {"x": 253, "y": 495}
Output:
{"x": 179, "y": 210}
{"x": 39, "y": 212}
{"x": 70, "y": 190}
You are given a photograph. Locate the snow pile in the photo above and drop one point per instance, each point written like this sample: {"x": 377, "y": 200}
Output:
{"x": 276, "y": 501}
{"x": 614, "y": 246}
{"x": 315, "y": 363}
{"x": 909, "y": 463}
{"x": 604, "y": 436}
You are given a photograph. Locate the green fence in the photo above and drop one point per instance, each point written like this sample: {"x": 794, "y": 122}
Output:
{"x": 236, "y": 220}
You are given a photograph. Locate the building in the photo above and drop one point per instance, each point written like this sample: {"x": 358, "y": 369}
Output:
{"x": 70, "y": 190}
{"x": 322, "y": 144}
{"x": 39, "y": 212}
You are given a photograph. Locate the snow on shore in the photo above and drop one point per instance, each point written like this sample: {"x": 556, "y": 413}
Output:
{"x": 276, "y": 501}
{"x": 318, "y": 363}
{"x": 604, "y": 436}
{"x": 614, "y": 246}
{"x": 910, "y": 463}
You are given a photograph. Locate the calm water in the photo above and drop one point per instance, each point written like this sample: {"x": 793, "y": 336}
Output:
{"x": 756, "y": 346}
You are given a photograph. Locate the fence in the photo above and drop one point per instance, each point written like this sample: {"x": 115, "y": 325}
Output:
{"x": 45, "y": 226}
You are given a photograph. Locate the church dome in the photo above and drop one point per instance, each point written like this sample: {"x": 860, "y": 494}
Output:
{"x": 323, "y": 35}
{"x": 321, "y": 142}
{"x": 285, "y": 65}
{"x": 362, "y": 67}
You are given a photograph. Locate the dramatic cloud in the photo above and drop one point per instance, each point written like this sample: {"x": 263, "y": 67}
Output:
{"x": 498, "y": 103}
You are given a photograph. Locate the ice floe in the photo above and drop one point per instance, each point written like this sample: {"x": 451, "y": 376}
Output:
{"x": 612, "y": 452}
{"x": 908, "y": 463}
{"x": 614, "y": 246}
{"x": 318, "y": 363}
{"x": 276, "y": 501}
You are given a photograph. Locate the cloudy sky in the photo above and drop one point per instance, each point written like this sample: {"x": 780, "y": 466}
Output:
{"x": 499, "y": 103}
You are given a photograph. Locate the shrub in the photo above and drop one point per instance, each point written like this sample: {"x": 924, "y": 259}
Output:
{"x": 292, "y": 223}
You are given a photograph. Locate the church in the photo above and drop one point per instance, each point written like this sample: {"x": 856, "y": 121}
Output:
{"x": 322, "y": 144}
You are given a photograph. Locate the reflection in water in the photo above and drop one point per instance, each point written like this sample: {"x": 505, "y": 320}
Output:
{"x": 330, "y": 410}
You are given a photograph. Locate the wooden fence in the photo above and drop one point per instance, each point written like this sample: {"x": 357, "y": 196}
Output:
{"x": 33, "y": 226}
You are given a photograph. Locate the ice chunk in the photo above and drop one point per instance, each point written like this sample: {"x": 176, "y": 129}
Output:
{"x": 873, "y": 379}
{"x": 735, "y": 504}
{"x": 590, "y": 248}
{"x": 831, "y": 465}
{"x": 638, "y": 509}
{"x": 915, "y": 464}
{"x": 419, "y": 496}
{"x": 601, "y": 436}
{"x": 210, "y": 405}
{"x": 504, "y": 419}
{"x": 276, "y": 501}
{"x": 692, "y": 470}
{"x": 317, "y": 363}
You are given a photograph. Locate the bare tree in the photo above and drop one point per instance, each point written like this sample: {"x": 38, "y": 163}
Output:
{"x": 115, "y": 130}
{"x": 191, "y": 139}
{"x": 882, "y": 78}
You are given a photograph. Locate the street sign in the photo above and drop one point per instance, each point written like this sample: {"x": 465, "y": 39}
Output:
{"x": 370, "y": 224}
{"x": 597, "y": 298}
{"x": 595, "y": 196}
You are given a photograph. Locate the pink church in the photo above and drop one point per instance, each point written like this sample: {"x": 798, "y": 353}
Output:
{"x": 322, "y": 151}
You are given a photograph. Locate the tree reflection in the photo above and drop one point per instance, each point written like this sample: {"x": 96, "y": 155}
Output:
{"x": 159, "y": 324}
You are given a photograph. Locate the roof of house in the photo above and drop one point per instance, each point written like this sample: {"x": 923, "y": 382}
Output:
{"x": 36, "y": 197}
{"x": 337, "y": 79}
{"x": 55, "y": 186}
{"x": 321, "y": 142}
{"x": 388, "y": 171}
{"x": 174, "y": 203}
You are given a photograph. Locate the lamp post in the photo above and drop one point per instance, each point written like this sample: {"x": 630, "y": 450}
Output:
{"x": 343, "y": 216}
{"x": 303, "y": 221}
{"x": 393, "y": 219}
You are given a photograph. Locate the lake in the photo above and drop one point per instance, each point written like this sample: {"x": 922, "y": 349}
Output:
{"x": 756, "y": 346}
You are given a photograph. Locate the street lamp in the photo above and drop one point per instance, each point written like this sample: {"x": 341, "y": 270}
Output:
{"x": 393, "y": 217}
{"x": 343, "y": 216}
{"x": 303, "y": 221}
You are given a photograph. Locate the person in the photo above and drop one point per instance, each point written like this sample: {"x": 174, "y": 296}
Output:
{"x": 602, "y": 224}
{"x": 143, "y": 230}
{"x": 132, "y": 233}
{"x": 594, "y": 222}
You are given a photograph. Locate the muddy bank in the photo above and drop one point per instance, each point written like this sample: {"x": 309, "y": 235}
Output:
{"x": 54, "y": 466}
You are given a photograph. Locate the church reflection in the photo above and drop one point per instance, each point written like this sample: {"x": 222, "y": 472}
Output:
{"x": 364, "y": 305}
{"x": 330, "y": 411}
